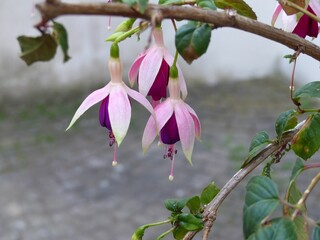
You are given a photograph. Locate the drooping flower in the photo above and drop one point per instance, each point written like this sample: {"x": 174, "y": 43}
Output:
{"x": 151, "y": 70}
{"x": 300, "y": 25}
{"x": 115, "y": 108}
{"x": 176, "y": 121}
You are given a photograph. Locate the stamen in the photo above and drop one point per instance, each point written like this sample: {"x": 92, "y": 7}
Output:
{"x": 112, "y": 139}
{"x": 114, "y": 162}
{"x": 170, "y": 151}
{"x": 109, "y": 18}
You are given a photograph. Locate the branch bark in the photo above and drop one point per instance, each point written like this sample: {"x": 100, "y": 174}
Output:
{"x": 218, "y": 19}
{"x": 210, "y": 212}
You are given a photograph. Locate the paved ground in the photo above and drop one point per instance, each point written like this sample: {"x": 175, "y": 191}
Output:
{"x": 61, "y": 186}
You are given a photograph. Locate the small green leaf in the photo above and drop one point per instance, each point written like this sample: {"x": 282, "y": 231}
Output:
{"x": 261, "y": 200}
{"x": 36, "y": 49}
{"x": 193, "y": 204}
{"x": 125, "y": 26}
{"x": 175, "y": 205}
{"x": 167, "y": 2}
{"x": 307, "y": 140}
{"x": 192, "y": 41}
{"x": 141, "y": 5}
{"x": 291, "y": 57}
{"x": 206, "y": 4}
{"x": 316, "y": 233}
{"x": 310, "y": 90}
{"x": 208, "y": 193}
{"x": 278, "y": 229}
{"x": 179, "y": 233}
{"x": 260, "y": 140}
{"x": 189, "y": 222}
{"x": 286, "y": 121}
{"x": 61, "y": 36}
{"x": 242, "y": 7}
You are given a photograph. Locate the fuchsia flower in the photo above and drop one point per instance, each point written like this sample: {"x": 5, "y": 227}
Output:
{"x": 115, "y": 109}
{"x": 304, "y": 26}
{"x": 176, "y": 121}
{"x": 151, "y": 69}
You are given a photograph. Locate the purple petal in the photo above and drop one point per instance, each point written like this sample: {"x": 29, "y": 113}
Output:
{"x": 104, "y": 114}
{"x": 149, "y": 69}
{"x": 92, "y": 99}
{"x": 306, "y": 26}
{"x": 134, "y": 70}
{"x": 119, "y": 112}
{"x": 169, "y": 133}
{"x": 158, "y": 89}
{"x": 186, "y": 129}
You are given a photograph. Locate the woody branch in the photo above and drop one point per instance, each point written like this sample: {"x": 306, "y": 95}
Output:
{"x": 53, "y": 9}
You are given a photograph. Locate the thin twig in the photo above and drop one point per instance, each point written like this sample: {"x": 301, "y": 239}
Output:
{"x": 305, "y": 195}
{"x": 210, "y": 212}
{"x": 217, "y": 18}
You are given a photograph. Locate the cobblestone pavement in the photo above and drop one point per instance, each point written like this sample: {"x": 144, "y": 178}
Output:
{"x": 57, "y": 185}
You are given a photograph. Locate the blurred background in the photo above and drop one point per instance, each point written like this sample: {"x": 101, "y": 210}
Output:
{"x": 61, "y": 185}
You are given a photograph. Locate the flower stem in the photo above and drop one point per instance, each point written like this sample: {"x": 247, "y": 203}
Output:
{"x": 301, "y": 9}
{"x": 157, "y": 223}
{"x": 165, "y": 233}
{"x": 305, "y": 195}
{"x": 311, "y": 165}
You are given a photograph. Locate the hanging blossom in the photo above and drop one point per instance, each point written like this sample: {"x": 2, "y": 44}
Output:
{"x": 115, "y": 108}
{"x": 151, "y": 70}
{"x": 303, "y": 26}
{"x": 176, "y": 121}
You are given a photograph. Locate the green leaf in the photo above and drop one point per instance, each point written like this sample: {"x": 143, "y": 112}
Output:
{"x": 259, "y": 140}
{"x": 310, "y": 90}
{"x": 307, "y": 140}
{"x": 61, "y": 36}
{"x": 36, "y": 49}
{"x": 192, "y": 41}
{"x": 189, "y": 222}
{"x": 167, "y": 2}
{"x": 261, "y": 200}
{"x": 287, "y": 120}
{"x": 125, "y": 26}
{"x": 175, "y": 205}
{"x": 179, "y": 233}
{"x": 242, "y": 7}
{"x": 206, "y": 4}
{"x": 316, "y": 233}
{"x": 193, "y": 204}
{"x": 208, "y": 193}
{"x": 140, "y": 5}
{"x": 278, "y": 229}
